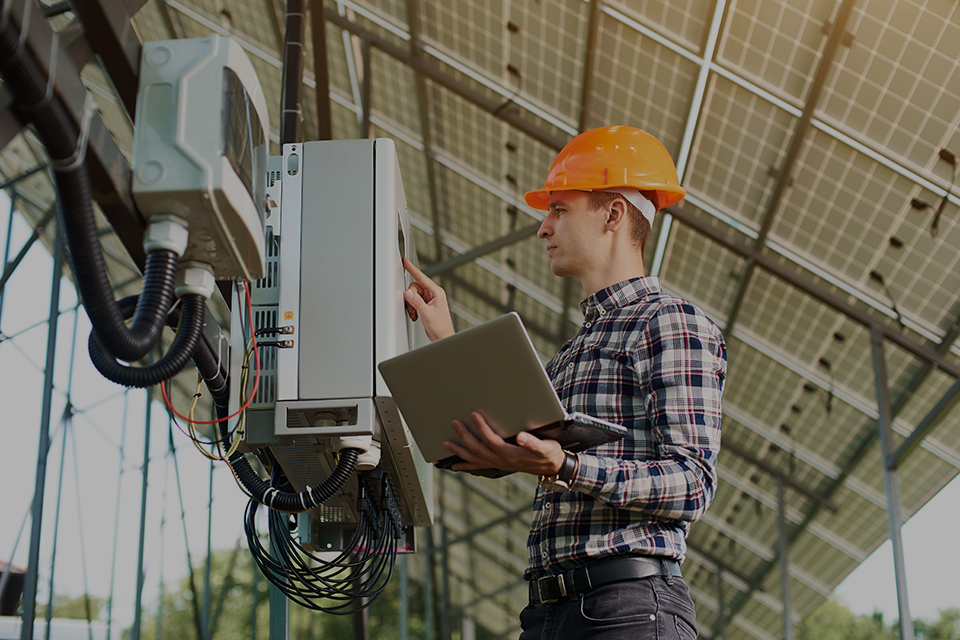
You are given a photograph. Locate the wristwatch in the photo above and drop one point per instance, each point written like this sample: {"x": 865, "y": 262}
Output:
{"x": 561, "y": 482}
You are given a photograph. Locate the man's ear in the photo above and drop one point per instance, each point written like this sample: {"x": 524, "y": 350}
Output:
{"x": 616, "y": 214}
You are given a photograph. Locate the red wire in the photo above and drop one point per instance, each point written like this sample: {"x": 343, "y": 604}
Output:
{"x": 256, "y": 380}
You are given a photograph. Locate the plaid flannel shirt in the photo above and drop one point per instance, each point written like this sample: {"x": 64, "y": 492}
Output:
{"x": 655, "y": 364}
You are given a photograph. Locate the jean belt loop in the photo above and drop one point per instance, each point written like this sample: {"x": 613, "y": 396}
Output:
{"x": 666, "y": 571}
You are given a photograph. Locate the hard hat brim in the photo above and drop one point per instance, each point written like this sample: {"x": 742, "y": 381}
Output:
{"x": 666, "y": 196}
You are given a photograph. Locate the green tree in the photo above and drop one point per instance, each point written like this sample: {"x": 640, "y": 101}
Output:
{"x": 947, "y": 627}
{"x": 234, "y": 592}
{"x": 833, "y": 620}
{"x": 73, "y": 608}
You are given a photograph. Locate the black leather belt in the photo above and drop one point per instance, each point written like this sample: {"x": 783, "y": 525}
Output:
{"x": 569, "y": 584}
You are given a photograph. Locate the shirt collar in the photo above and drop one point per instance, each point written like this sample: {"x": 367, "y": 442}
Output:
{"x": 618, "y": 295}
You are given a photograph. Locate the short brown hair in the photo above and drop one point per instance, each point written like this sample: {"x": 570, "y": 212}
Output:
{"x": 639, "y": 225}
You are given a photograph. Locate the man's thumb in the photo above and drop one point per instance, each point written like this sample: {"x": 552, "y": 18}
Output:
{"x": 414, "y": 299}
{"x": 526, "y": 441}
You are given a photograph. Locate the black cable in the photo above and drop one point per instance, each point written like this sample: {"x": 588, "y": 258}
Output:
{"x": 354, "y": 578}
{"x": 65, "y": 146}
{"x": 172, "y": 362}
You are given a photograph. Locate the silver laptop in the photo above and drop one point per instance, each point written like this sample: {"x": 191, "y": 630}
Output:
{"x": 492, "y": 368}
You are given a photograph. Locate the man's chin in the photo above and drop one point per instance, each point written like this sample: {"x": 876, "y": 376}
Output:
{"x": 557, "y": 268}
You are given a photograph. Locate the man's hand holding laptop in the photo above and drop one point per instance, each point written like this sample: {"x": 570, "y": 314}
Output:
{"x": 485, "y": 448}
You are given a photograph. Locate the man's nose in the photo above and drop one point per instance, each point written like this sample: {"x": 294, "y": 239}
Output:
{"x": 543, "y": 232}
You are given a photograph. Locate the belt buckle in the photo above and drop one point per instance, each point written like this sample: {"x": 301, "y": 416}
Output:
{"x": 540, "y": 588}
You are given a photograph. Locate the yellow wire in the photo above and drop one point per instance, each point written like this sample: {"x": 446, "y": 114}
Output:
{"x": 239, "y": 433}
{"x": 194, "y": 436}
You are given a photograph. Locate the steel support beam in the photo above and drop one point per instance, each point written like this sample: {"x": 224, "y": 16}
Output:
{"x": 772, "y": 264}
{"x": 279, "y": 614}
{"x": 432, "y": 71}
{"x": 33, "y": 562}
{"x": 466, "y": 537}
{"x": 73, "y": 41}
{"x": 926, "y": 425}
{"x": 48, "y": 614}
{"x": 891, "y": 479}
{"x": 426, "y": 125}
{"x": 11, "y": 266}
{"x": 709, "y": 47}
{"x": 110, "y": 176}
{"x": 784, "y": 562}
{"x": 26, "y": 174}
{"x": 321, "y": 74}
{"x": 404, "y": 633}
{"x": 785, "y": 173}
{"x": 700, "y": 555}
{"x": 488, "y": 596}
{"x": 274, "y": 12}
{"x": 145, "y": 471}
{"x": 440, "y": 268}
{"x": 291, "y": 112}
{"x": 586, "y": 80}
{"x": 111, "y": 34}
{"x": 485, "y": 297}
{"x": 586, "y": 88}
{"x": 366, "y": 89}
{"x": 790, "y": 482}
{"x": 5, "y": 277}
{"x": 721, "y": 619}
{"x": 445, "y": 624}
{"x": 428, "y": 583}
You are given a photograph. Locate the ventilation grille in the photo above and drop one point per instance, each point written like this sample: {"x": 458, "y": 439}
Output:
{"x": 271, "y": 276}
{"x": 267, "y": 390}
{"x": 272, "y": 177}
{"x": 326, "y": 513}
{"x": 302, "y": 464}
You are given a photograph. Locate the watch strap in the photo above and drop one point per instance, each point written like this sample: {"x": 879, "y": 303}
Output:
{"x": 569, "y": 468}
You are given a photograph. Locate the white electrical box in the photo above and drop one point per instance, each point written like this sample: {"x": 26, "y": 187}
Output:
{"x": 337, "y": 227}
{"x": 200, "y": 150}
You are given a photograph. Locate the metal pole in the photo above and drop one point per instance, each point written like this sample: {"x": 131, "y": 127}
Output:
{"x": 256, "y": 603}
{"x": 205, "y": 620}
{"x": 891, "y": 481}
{"x": 784, "y": 564}
{"x": 367, "y": 89}
{"x": 361, "y": 622}
{"x": 30, "y": 580}
{"x": 722, "y": 622}
{"x": 5, "y": 576}
{"x": 445, "y": 623}
{"x": 6, "y": 248}
{"x": 66, "y": 420}
{"x": 279, "y": 607}
{"x": 11, "y": 266}
{"x": 428, "y": 584}
{"x": 279, "y": 611}
{"x": 404, "y": 599}
{"x": 48, "y": 615}
{"x": 318, "y": 27}
{"x": 116, "y": 518}
{"x": 143, "y": 515}
{"x": 291, "y": 115}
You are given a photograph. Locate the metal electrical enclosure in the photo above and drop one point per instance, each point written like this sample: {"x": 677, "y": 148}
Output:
{"x": 200, "y": 149}
{"x": 337, "y": 227}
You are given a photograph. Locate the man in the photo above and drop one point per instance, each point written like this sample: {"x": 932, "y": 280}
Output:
{"x": 609, "y": 524}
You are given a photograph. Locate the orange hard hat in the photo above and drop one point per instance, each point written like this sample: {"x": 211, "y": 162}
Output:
{"x": 610, "y": 157}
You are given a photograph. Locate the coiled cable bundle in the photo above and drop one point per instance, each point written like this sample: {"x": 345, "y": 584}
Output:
{"x": 351, "y": 581}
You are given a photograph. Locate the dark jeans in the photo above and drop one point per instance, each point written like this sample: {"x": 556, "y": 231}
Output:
{"x": 654, "y": 608}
